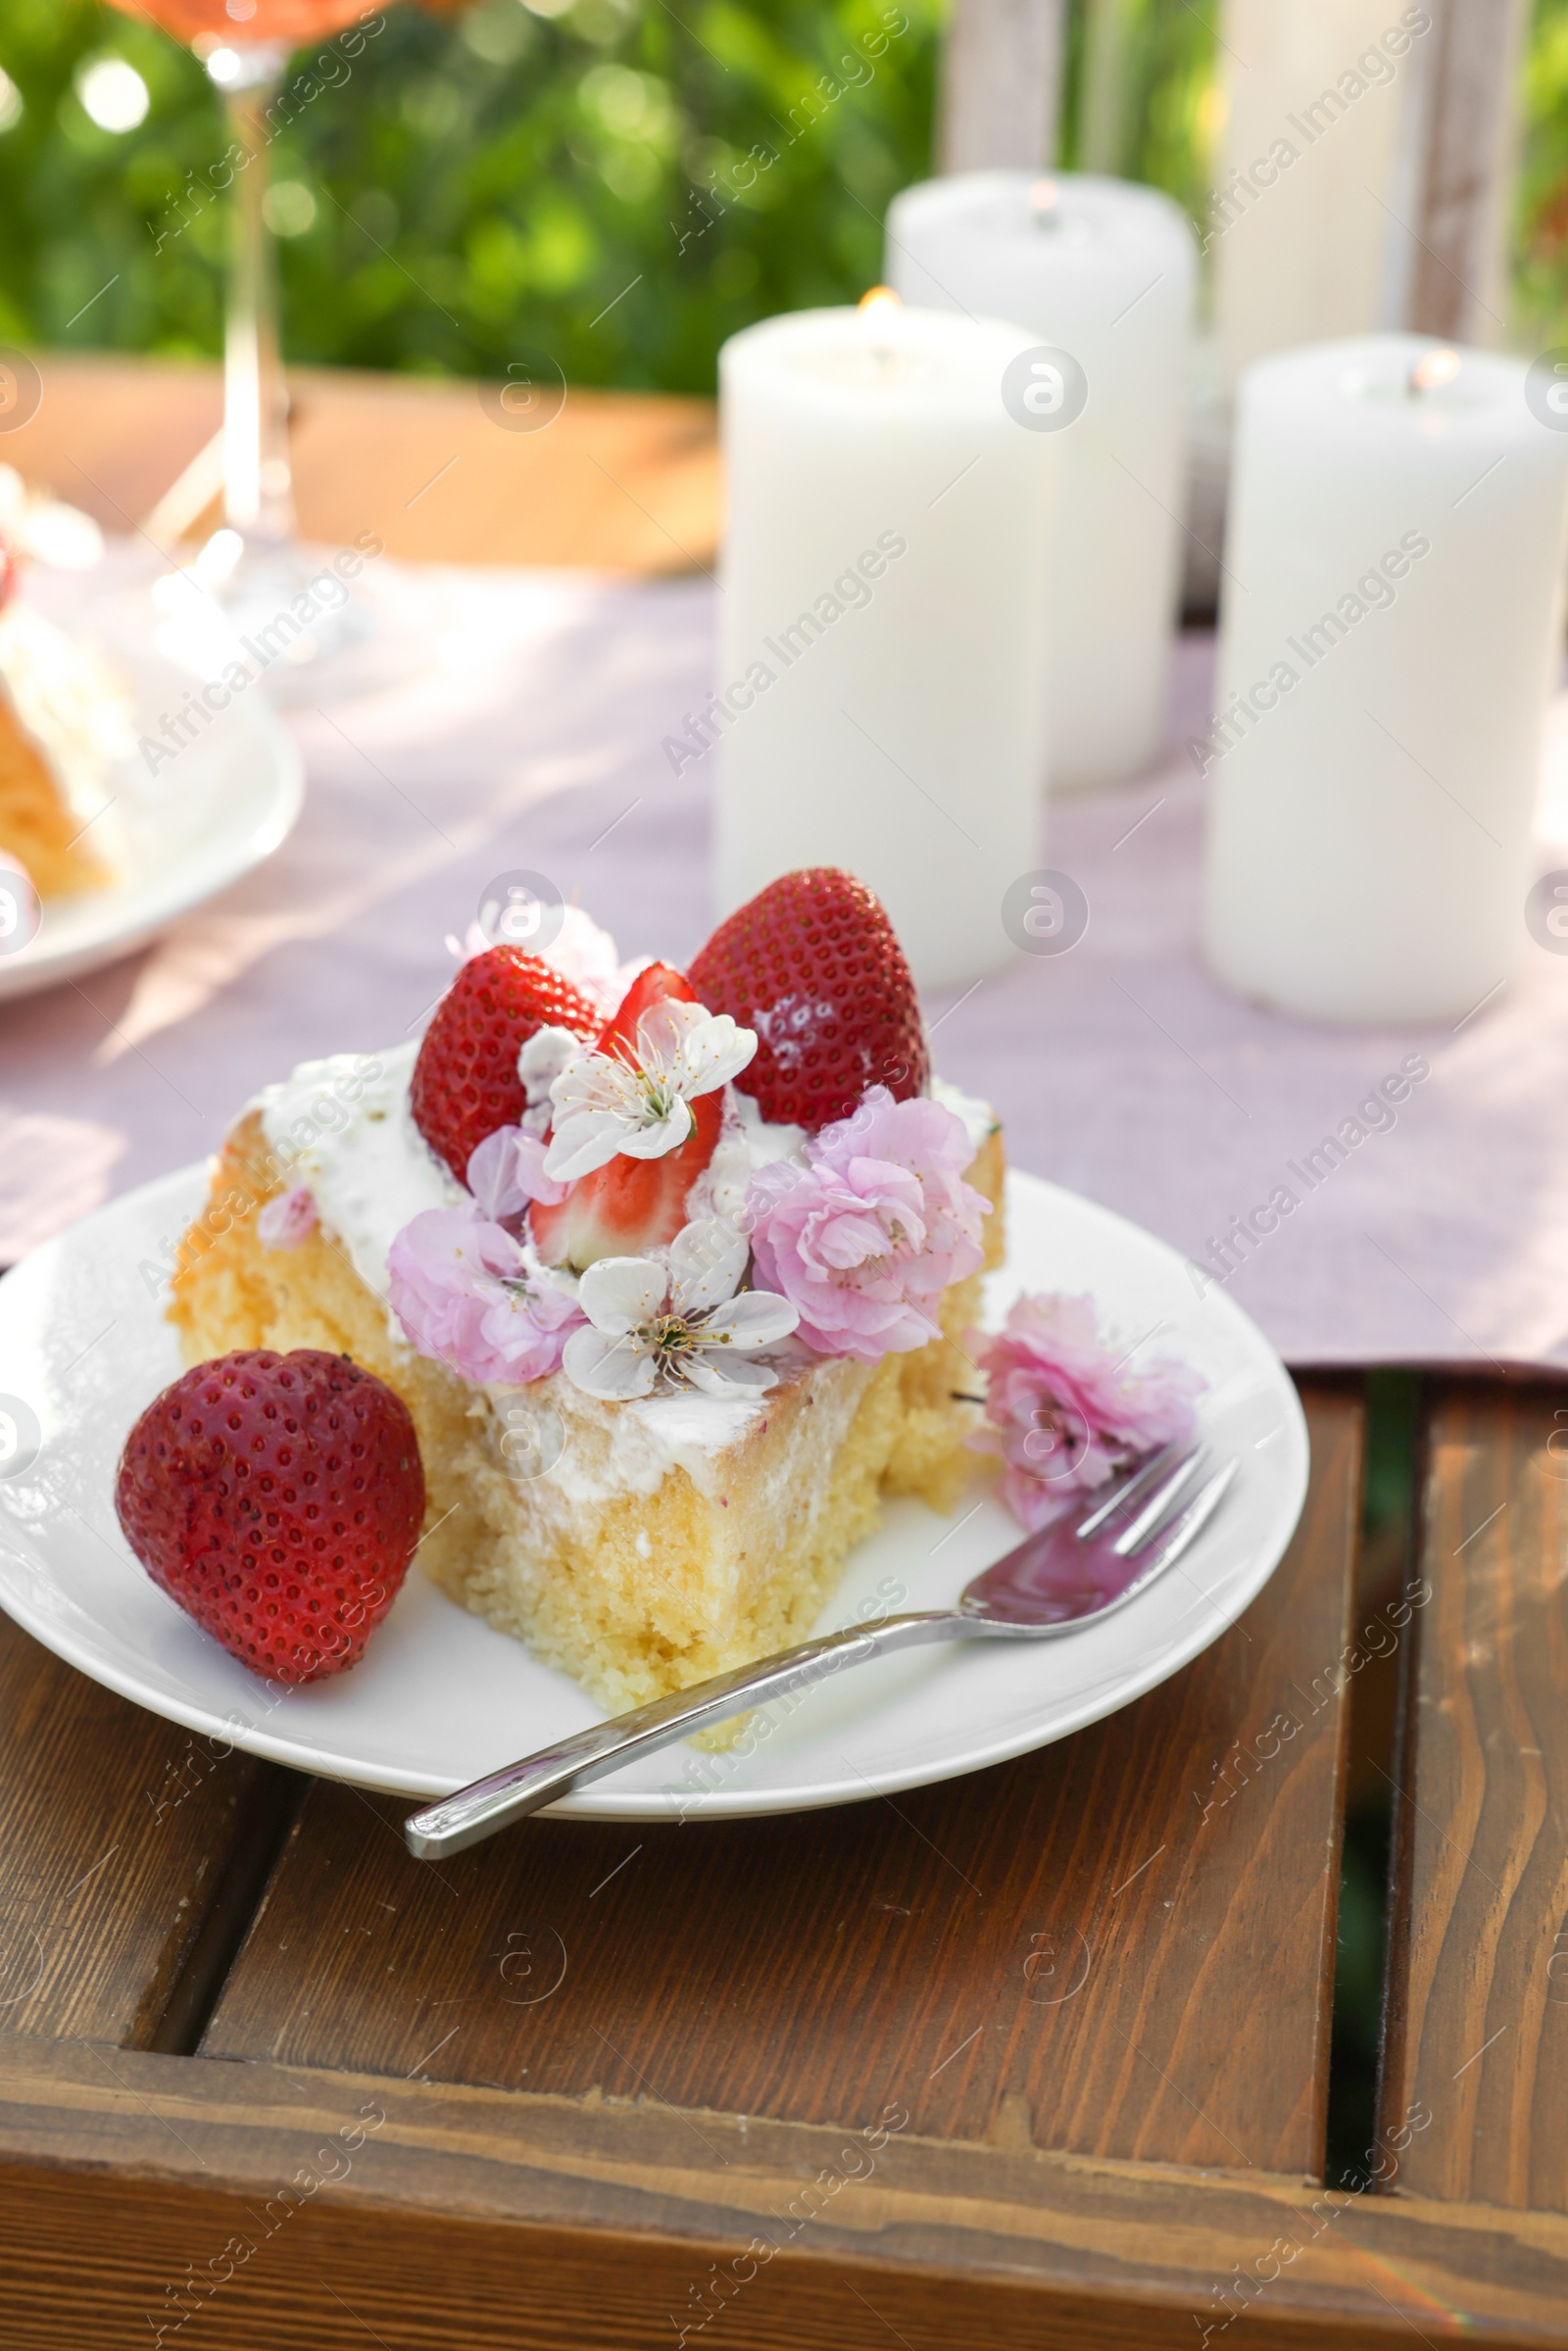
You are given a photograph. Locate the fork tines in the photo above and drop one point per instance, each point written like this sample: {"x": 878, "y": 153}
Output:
{"x": 1169, "y": 1514}
{"x": 1160, "y": 1504}
{"x": 1133, "y": 1485}
{"x": 1179, "y": 1532}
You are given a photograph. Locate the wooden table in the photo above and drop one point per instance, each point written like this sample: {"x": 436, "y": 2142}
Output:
{"x": 1038, "y": 2057}
{"x": 619, "y": 481}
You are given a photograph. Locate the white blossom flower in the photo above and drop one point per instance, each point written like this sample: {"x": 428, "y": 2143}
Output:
{"x": 637, "y": 1104}
{"x": 675, "y": 1326}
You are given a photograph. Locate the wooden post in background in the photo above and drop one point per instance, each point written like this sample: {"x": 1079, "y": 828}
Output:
{"x": 1000, "y": 85}
{"x": 1107, "y": 40}
{"x": 1449, "y": 257}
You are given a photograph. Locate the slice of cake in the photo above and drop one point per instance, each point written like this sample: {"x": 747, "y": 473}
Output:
{"x": 64, "y": 720}
{"x": 38, "y": 827}
{"x": 693, "y": 1305}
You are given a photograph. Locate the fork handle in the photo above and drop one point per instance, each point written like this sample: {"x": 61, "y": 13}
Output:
{"x": 522, "y": 1788}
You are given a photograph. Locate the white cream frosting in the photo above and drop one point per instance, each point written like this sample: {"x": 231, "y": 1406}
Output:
{"x": 648, "y": 1437}
{"x": 720, "y": 1190}
{"x": 979, "y": 1118}
{"x": 631, "y": 1447}
{"x": 764, "y": 1143}
{"x": 344, "y": 1127}
{"x": 76, "y": 708}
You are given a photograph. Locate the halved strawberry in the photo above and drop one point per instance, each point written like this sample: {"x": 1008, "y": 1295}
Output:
{"x": 655, "y": 984}
{"x": 812, "y": 965}
{"x": 631, "y": 1204}
{"x": 465, "y": 1081}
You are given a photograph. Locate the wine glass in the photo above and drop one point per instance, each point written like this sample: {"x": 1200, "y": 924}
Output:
{"x": 245, "y": 46}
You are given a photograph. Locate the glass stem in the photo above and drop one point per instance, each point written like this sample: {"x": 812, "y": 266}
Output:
{"x": 258, "y": 491}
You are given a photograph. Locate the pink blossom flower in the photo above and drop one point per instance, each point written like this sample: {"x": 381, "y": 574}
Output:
{"x": 1066, "y": 1409}
{"x": 865, "y": 1236}
{"x": 507, "y": 1170}
{"x": 287, "y": 1219}
{"x": 462, "y": 1291}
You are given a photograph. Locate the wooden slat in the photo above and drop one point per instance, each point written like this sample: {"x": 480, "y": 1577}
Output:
{"x": 466, "y": 2217}
{"x": 1002, "y": 85}
{"x": 621, "y": 481}
{"x": 1119, "y": 1946}
{"x": 1458, "y": 172}
{"x": 127, "y": 1848}
{"x": 1477, "y": 2009}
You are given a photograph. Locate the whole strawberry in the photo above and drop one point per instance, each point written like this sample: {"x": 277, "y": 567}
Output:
{"x": 812, "y": 965}
{"x": 465, "y": 1081}
{"x": 278, "y": 1499}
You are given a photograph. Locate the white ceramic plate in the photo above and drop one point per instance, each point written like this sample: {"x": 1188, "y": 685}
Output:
{"x": 441, "y": 1698}
{"x": 174, "y": 838}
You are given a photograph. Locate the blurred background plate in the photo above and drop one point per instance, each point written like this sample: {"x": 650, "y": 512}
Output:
{"x": 227, "y": 801}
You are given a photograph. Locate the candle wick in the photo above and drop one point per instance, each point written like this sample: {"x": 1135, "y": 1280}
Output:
{"x": 1045, "y": 204}
{"x": 1433, "y": 368}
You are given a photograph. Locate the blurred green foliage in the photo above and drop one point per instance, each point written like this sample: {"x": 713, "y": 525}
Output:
{"x": 1540, "y": 249}
{"x": 1140, "y": 97}
{"x": 483, "y": 179}
{"x": 620, "y": 184}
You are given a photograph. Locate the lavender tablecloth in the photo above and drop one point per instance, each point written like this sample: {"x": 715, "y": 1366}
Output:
{"x": 524, "y": 732}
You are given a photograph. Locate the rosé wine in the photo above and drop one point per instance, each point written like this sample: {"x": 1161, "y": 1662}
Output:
{"x": 288, "y": 21}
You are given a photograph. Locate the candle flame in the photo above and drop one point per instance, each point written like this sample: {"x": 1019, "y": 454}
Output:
{"x": 880, "y": 304}
{"x": 1434, "y": 368}
{"x": 1043, "y": 197}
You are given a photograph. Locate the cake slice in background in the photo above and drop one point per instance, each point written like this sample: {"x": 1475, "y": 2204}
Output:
{"x": 65, "y": 714}
{"x": 665, "y": 1354}
{"x": 39, "y": 827}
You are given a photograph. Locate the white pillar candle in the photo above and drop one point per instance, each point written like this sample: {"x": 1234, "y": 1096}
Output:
{"x": 880, "y": 700}
{"x": 1104, "y": 271}
{"x": 1304, "y": 208}
{"x": 1391, "y": 626}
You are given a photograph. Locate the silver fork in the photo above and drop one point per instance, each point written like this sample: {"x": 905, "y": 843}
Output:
{"x": 1073, "y": 1571}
